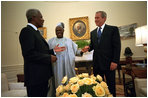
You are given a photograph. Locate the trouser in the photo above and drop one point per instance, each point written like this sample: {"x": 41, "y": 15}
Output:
{"x": 39, "y": 90}
{"x": 51, "y": 89}
{"x": 110, "y": 79}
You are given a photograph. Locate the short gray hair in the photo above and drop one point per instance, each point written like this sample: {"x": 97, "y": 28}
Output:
{"x": 103, "y": 14}
{"x": 30, "y": 13}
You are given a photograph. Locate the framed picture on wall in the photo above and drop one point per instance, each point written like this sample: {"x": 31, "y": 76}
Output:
{"x": 127, "y": 31}
{"x": 43, "y": 32}
{"x": 79, "y": 28}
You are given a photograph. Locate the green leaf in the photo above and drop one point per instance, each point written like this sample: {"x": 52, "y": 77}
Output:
{"x": 82, "y": 43}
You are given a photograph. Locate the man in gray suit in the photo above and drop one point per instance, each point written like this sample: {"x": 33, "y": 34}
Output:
{"x": 37, "y": 56}
{"x": 105, "y": 41}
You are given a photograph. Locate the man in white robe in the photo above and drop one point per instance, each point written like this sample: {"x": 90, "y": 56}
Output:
{"x": 65, "y": 64}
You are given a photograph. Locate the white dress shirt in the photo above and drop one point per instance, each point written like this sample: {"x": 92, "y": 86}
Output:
{"x": 102, "y": 27}
{"x": 33, "y": 26}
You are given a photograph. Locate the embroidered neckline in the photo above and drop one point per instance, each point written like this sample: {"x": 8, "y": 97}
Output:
{"x": 60, "y": 41}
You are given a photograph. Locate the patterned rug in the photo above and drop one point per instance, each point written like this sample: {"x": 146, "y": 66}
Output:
{"x": 119, "y": 91}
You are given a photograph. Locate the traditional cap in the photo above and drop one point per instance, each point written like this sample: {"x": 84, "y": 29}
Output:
{"x": 61, "y": 24}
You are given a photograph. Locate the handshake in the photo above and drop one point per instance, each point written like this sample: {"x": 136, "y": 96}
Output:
{"x": 60, "y": 49}
{"x": 85, "y": 49}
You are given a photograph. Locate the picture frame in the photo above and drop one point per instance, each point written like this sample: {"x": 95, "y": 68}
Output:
{"x": 43, "y": 31}
{"x": 79, "y": 28}
{"x": 127, "y": 31}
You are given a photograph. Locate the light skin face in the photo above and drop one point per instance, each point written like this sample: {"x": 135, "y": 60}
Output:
{"x": 59, "y": 32}
{"x": 99, "y": 20}
{"x": 38, "y": 20}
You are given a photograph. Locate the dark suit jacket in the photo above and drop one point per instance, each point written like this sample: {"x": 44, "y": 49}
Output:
{"x": 107, "y": 50}
{"x": 37, "y": 58}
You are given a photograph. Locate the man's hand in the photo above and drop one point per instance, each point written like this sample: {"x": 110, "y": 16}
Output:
{"x": 53, "y": 58}
{"x": 84, "y": 50}
{"x": 113, "y": 66}
{"x": 59, "y": 49}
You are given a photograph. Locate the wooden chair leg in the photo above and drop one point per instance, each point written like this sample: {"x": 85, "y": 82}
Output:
{"x": 119, "y": 76}
{"x": 91, "y": 70}
{"x": 76, "y": 70}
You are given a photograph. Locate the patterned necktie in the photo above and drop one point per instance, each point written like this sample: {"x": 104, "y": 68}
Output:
{"x": 99, "y": 32}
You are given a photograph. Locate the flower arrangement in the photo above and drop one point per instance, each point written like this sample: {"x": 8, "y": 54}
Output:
{"x": 83, "y": 85}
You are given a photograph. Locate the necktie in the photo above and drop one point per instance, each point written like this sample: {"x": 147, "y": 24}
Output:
{"x": 99, "y": 34}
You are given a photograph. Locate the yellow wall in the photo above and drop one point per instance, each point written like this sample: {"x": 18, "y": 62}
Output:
{"x": 13, "y": 19}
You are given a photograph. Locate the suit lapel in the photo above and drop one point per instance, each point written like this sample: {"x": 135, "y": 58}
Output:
{"x": 96, "y": 37}
{"x": 103, "y": 32}
{"x": 38, "y": 33}
{"x": 42, "y": 38}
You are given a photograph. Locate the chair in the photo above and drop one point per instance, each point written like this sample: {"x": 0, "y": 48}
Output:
{"x": 76, "y": 70}
{"x": 12, "y": 89}
{"x": 141, "y": 87}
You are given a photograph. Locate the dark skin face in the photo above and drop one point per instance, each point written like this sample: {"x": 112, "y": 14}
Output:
{"x": 38, "y": 20}
{"x": 59, "y": 32}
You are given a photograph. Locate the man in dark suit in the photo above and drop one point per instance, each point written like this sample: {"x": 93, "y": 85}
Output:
{"x": 105, "y": 41}
{"x": 37, "y": 56}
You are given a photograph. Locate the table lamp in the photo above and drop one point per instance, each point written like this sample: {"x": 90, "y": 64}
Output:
{"x": 141, "y": 37}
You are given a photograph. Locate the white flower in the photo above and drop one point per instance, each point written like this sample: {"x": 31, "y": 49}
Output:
{"x": 85, "y": 75}
{"x": 65, "y": 95}
{"x": 103, "y": 84}
{"x": 106, "y": 91}
{"x": 80, "y": 76}
{"x": 80, "y": 82}
{"x": 64, "y": 80}
{"x": 88, "y": 81}
{"x": 59, "y": 89}
{"x": 99, "y": 78}
{"x": 94, "y": 81}
{"x": 73, "y": 95}
{"x": 93, "y": 77}
{"x": 99, "y": 90}
{"x": 73, "y": 80}
{"x": 74, "y": 88}
{"x": 81, "y": 85}
{"x": 67, "y": 87}
{"x": 86, "y": 95}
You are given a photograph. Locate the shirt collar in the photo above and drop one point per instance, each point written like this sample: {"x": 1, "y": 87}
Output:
{"x": 101, "y": 27}
{"x": 33, "y": 26}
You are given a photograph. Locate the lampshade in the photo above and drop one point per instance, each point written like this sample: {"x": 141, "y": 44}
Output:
{"x": 141, "y": 35}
